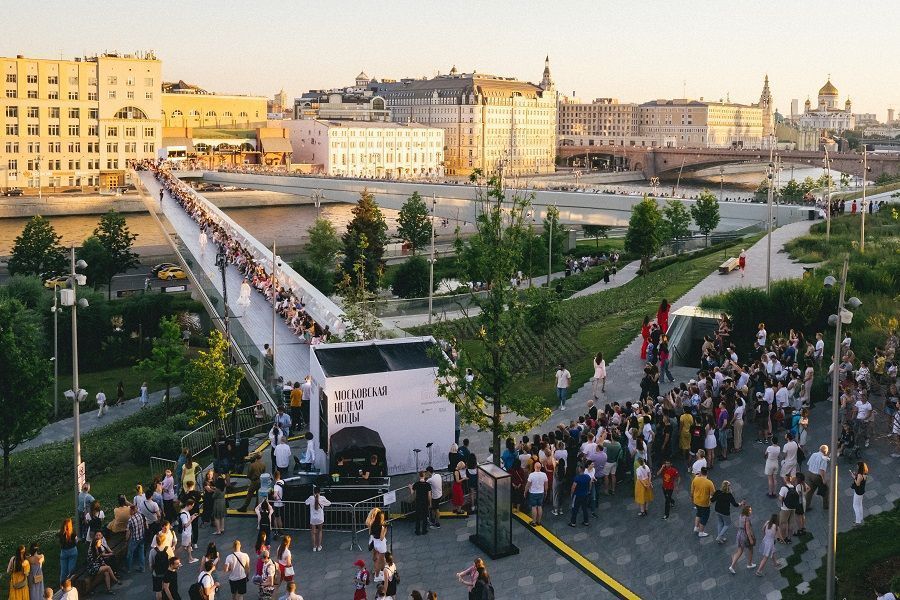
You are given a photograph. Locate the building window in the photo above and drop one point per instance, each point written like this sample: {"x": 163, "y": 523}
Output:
{"x": 112, "y": 94}
{"x": 194, "y": 113}
{"x": 112, "y": 132}
{"x": 112, "y": 148}
{"x": 177, "y": 113}
{"x": 149, "y": 147}
{"x": 242, "y": 114}
{"x": 53, "y": 80}
{"x": 93, "y": 113}
{"x": 32, "y": 94}
{"x": 148, "y": 81}
{"x": 33, "y": 130}
{"x": 130, "y": 131}
{"x": 10, "y": 78}
{"x": 130, "y": 112}
{"x": 93, "y": 96}
{"x": 31, "y": 78}
{"x": 210, "y": 113}
{"x": 12, "y": 111}
{"x": 54, "y": 147}
{"x": 130, "y": 95}
{"x": 111, "y": 163}
{"x": 148, "y": 95}
{"x": 74, "y": 113}
{"x": 52, "y": 129}
{"x": 12, "y": 164}
{"x": 53, "y": 112}
{"x": 112, "y": 80}
{"x": 52, "y": 95}
{"x": 129, "y": 81}
{"x": 34, "y": 147}
{"x": 93, "y": 131}
{"x": 12, "y": 147}
{"x": 228, "y": 113}
{"x": 12, "y": 129}
{"x": 73, "y": 130}
{"x": 11, "y": 93}
{"x": 149, "y": 132}
{"x": 73, "y": 95}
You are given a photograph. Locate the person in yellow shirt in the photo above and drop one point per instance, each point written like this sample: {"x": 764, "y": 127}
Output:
{"x": 296, "y": 404}
{"x": 702, "y": 490}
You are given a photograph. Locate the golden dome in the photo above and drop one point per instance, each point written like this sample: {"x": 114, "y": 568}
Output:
{"x": 828, "y": 89}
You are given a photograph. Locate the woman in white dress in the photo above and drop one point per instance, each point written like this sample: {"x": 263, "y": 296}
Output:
{"x": 203, "y": 240}
{"x": 599, "y": 375}
{"x": 317, "y": 504}
{"x": 244, "y": 298}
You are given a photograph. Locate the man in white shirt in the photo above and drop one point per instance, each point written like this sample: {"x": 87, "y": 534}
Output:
{"x": 789, "y": 463}
{"x": 819, "y": 352}
{"x": 282, "y": 455}
{"x": 290, "y": 592}
{"x": 816, "y": 477}
{"x": 277, "y": 503}
{"x": 862, "y": 415}
{"x": 206, "y": 580}
{"x": 68, "y": 592}
{"x": 309, "y": 455}
{"x": 437, "y": 490}
{"x": 537, "y": 487}
{"x": 563, "y": 380}
{"x": 237, "y": 565}
{"x": 101, "y": 403}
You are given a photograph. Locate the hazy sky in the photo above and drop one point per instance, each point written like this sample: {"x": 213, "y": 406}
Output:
{"x": 634, "y": 51}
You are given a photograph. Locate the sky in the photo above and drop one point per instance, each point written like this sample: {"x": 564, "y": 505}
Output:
{"x": 633, "y": 51}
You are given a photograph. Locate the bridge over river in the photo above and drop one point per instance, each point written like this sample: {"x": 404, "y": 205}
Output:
{"x": 457, "y": 202}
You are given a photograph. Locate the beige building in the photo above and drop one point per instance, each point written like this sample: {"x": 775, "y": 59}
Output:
{"x": 341, "y": 104}
{"x": 827, "y": 114}
{"x": 186, "y": 105}
{"x": 604, "y": 118}
{"x": 367, "y": 149}
{"x": 77, "y": 123}
{"x": 489, "y": 122}
{"x": 699, "y": 124}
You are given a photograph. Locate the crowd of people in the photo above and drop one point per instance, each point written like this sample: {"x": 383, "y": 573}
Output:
{"x": 257, "y": 277}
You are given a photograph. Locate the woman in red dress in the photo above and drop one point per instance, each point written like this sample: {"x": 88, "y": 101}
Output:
{"x": 645, "y": 333}
{"x": 662, "y": 315}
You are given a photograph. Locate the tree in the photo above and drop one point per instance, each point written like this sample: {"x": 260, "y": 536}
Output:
{"x": 706, "y": 213}
{"x": 645, "y": 231}
{"x": 316, "y": 273}
{"x": 323, "y": 245}
{"x": 761, "y": 193}
{"x": 367, "y": 224}
{"x": 94, "y": 254}
{"x": 551, "y": 224}
{"x": 37, "y": 251}
{"x": 167, "y": 357}
{"x": 211, "y": 382}
{"x": 493, "y": 255}
{"x": 358, "y": 299}
{"x": 114, "y": 236}
{"x": 596, "y": 232}
{"x": 414, "y": 222}
{"x": 24, "y": 377}
{"x": 792, "y": 191}
{"x": 411, "y": 278}
{"x": 676, "y": 219}
{"x": 808, "y": 184}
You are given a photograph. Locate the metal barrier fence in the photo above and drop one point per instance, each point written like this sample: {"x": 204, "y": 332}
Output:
{"x": 202, "y": 438}
{"x": 159, "y": 465}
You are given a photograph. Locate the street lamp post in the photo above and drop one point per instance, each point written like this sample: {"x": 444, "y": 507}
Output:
{"x": 837, "y": 320}
{"x": 274, "y": 307}
{"x": 771, "y": 177}
{"x": 40, "y": 191}
{"x": 721, "y": 182}
{"x": 862, "y": 224}
{"x": 69, "y": 297}
{"x": 550, "y": 215}
{"x": 431, "y": 264}
{"x": 828, "y": 202}
{"x": 55, "y": 310}
{"x": 222, "y": 263}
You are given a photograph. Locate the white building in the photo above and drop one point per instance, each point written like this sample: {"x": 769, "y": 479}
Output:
{"x": 368, "y": 149}
{"x": 827, "y": 114}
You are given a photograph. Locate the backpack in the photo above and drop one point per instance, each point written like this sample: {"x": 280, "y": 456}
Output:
{"x": 160, "y": 563}
{"x": 792, "y": 499}
{"x": 195, "y": 592}
{"x": 180, "y": 525}
{"x": 393, "y": 583}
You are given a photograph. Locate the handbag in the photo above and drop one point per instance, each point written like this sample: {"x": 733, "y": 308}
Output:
{"x": 289, "y": 571}
{"x": 39, "y": 578}
{"x": 21, "y": 584}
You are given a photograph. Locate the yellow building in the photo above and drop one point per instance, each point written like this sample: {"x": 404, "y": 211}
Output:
{"x": 699, "y": 124}
{"x": 185, "y": 105}
{"x": 77, "y": 123}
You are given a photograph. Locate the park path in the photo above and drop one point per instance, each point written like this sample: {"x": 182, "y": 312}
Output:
{"x": 64, "y": 429}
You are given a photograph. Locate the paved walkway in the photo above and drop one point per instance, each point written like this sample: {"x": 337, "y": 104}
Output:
{"x": 664, "y": 559}
{"x": 64, "y": 429}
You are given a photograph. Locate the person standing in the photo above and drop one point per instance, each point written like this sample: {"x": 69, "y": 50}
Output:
{"x": 282, "y": 455}
{"x": 789, "y": 500}
{"x": 723, "y": 500}
{"x": 296, "y": 405}
{"x": 645, "y": 335}
{"x": 185, "y": 524}
{"x": 742, "y": 261}
{"x": 208, "y": 584}
{"x": 317, "y": 504}
{"x": 421, "y": 489}
{"x": 862, "y": 419}
{"x": 816, "y": 477}
{"x": 168, "y": 495}
{"x": 670, "y": 477}
{"x": 36, "y": 572}
{"x": 643, "y": 487}
{"x": 203, "y": 241}
{"x": 120, "y": 394}
{"x": 18, "y": 570}
{"x": 563, "y": 380}
{"x": 537, "y": 490}
{"x": 84, "y": 503}
{"x": 767, "y": 550}
{"x": 702, "y": 490}
{"x": 135, "y": 533}
{"x": 161, "y": 195}
{"x": 257, "y": 468}
{"x": 599, "y": 376}
{"x": 68, "y": 550}
{"x": 360, "y": 580}
{"x": 581, "y": 496}
{"x": 437, "y": 491}
{"x": 746, "y": 539}
{"x": 771, "y": 453}
{"x": 237, "y": 566}
{"x": 101, "y": 404}
{"x": 145, "y": 395}
{"x": 170, "y": 580}
{"x": 859, "y": 490}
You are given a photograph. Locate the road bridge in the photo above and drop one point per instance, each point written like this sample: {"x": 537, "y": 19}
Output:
{"x": 457, "y": 202}
{"x": 251, "y": 327}
{"x": 663, "y": 162}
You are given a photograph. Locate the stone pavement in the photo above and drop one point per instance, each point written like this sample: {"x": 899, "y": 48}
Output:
{"x": 626, "y": 274}
{"x": 425, "y": 563}
{"x": 64, "y": 429}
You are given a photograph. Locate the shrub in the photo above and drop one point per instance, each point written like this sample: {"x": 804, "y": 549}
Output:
{"x": 143, "y": 442}
{"x": 179, "y": 422}
{"x": 318, "y": 275}
{"x": 411, "y": 278}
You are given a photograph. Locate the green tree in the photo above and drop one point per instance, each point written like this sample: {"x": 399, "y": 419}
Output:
{"x": 316, "y": 273}
{"x": 324, "y": 244}
{"x": 489, "y": 401}
{"x": 24, "y": 377}
{"x": 645, "y": 231}
{"x": 359, "y": 301}
{"x": 211, "y": 382}
{"x": 845, "y": 180}
{"x": 367, "y": 224}
{"x": 705, "y": 212}
{"x": 551, "y": 225}
{"x": 808, "y": 184}
{"x": 117, "y": 240}
{"x": 676, "y": 219}
{"x": 37, "y": 251}
{"x": 761, "y": 193}
{"x": 94, "y": 254}
{"x": 166, "y": 360}
{"x": 414, "y": 222}
{"x": 596, "y": 232}
{"x": 792, "y": 191}
{"x": 411, "y": 278}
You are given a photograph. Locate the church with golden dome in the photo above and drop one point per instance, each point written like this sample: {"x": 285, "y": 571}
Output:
{"x": 828, "y": 113}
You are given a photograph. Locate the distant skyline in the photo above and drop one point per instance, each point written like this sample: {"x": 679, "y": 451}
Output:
{"x": 633, "y": 52}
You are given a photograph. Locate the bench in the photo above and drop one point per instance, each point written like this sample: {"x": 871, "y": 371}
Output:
{"x": 728, "y": 266}
{"x": 85, "y": 583}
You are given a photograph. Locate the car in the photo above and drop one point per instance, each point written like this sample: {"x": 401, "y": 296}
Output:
{"x": 13, "y": 192}
{"x": 56, "y": 281}
{"x": 161, "y": 266}
{"x": 172, "y": 273}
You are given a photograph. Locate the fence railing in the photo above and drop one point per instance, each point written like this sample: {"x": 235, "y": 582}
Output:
{"x": 159, "y": 465}
{"x": 202, "y": 438}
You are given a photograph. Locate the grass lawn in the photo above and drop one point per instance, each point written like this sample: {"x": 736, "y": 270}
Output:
{"x": 870, "y": 191}
{"x": 40, "y": 523}
{"x": 108, "y": 381}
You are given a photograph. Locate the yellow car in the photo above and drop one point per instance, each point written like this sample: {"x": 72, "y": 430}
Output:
{"x": 172, "y": 273}
{"x": 56, "y": 281}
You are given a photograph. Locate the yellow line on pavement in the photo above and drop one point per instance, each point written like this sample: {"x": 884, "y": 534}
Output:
{"x": 577, "y": 559}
